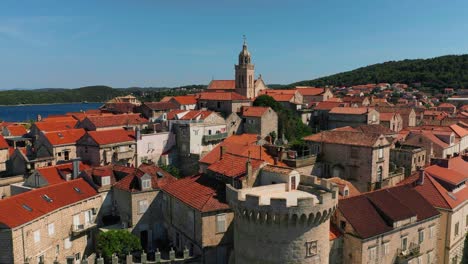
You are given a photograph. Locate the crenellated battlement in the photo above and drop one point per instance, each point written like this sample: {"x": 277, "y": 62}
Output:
{"x": 311, "y": 204}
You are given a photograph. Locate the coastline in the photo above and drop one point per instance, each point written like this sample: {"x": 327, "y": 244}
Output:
{"x": 52, "y": 104}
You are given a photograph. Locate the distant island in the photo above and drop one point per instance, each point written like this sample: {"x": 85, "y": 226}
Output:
{"x": 434, "y": 74}
{"x": 89, "y": 94}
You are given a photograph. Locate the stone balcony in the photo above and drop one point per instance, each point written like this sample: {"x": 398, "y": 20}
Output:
{"x": 126, "y": 154}
{"x": 405, "y": 256}
{"x": 215, "y": 137}
{"x": 79, "y": 229}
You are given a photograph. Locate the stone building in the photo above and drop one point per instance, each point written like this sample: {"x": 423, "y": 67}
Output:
{"x": 438, "y": 144}
{"x": 138, "y": 201}
{"x": 154, "y": 147}
{"x": 262, "y": 121}
{"x": 224, "y": 102}
{"x": 154, "y": 110}
{"x": 183, "y": 102}
{"x": 362, "y": 158}
{"x": 408, "y": 114}
{"x": 60, "y": 144}
{"x": 284, "y": 219}
{"x": 352, "y": 116}
{"x": 108, "y": 122}
{"x": 320, "y": 114}
{"x": 4, "y": 154}
{"x": 198, "y": 218}
{"x": 51, "y": 223}
{"x": 409, "y": 157}
{"x": 313, "y": 94}
{"x": 444, "y": 186}
{"x": 392, "y": 120}
{"x": 245, "y": 83}
{"x": 52, "y": 125}
{"x": 291, "y": 99}
{"x": 392, "y": 225}
{"x": 115, "y": 146}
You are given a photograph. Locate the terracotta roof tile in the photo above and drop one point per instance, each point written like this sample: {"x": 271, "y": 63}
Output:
{"x": 116, "y": 120}
{"x": 105, "y": 137}
{"x": 53, "y": 173}
{"x": 47, "y": 126}
{"x": 64, "y": 137}
{"x": 349, "y": 110}
{"x": 3, "y": 143}
{"x": 221, "y": 96}
{"x": 234, "y": 166}
{"x": 328, "y": 105}
{"x": 186, "y": 99}
{"x": 160, "y": 106}
{"x": 131, "y": 182}
{"x": 222, "y": 85}
{"x": 62, "y": 194}
{"x": 188, "y": 114}
{"x": 199, "y": 192}
{"x": 353, "y": 191}
{"x": 254, "y": 111}
{"x": 16, "y": 130}
{"x": 309, "y": 91}
{"x": 345, "y": 137}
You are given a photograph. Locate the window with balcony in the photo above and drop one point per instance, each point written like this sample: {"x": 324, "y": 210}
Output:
{"x": 220, "y": 223}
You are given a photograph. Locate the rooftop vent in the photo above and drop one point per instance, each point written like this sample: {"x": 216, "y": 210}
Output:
{"x": 27, "y": 208}
{"x": 77, "y": 189}
{"x": 160, "y": 174}
{"x": 47, "y": 198}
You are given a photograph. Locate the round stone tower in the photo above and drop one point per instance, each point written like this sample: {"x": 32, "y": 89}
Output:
{"x": 279, "y": 224}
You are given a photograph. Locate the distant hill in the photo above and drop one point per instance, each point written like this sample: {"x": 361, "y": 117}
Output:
{"x": 98, "y": 93}
{"x": 439, "y": 72}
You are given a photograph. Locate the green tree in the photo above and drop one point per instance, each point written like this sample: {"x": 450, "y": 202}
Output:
{"x": 174, "y": 171}
{"x": 119, "y": 242}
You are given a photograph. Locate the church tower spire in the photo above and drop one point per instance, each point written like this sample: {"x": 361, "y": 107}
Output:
{"x": 245, "y": 73}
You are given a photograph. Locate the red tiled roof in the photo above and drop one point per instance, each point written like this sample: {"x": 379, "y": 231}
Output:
{"x": 188, "y": 114}
{"x": 386, "y": 116}
{"x": 17, "y": 130}
{"x": 63, "y": 194}
{"x": 375, "y": 129}
{"x": 112, "y": 136}
{"x": 309, "y": 91}
{"x": 349, "y": 110}
{"x": 221, "y": 96}
{"x": 334, "y": 232}
{"x": 186, "y": 99}
{"x": 448, "y": 175}
{"x": 254, "y": 111}
{"x": 222, "y": 85}
{"x": 52, "y": 173}
{"x": 459, "y": 131}
{"x": 233, "y": 165}
{"x": 119, "y": 107}
{"x": 47, "y": 126}
{"x": 373, "y": 213}
{"x": 345, "y": 137}
{"x": 446, "y": 105}
{"x": 64, "y": 137}
{"x": 328, "y": 105}
{"x": 131, "y": 182}
{"x": 116, "y": 120}
{"x": 353, "y": 191}
{"x": 160, "y": 106}
{"x": 199, "y": 192}
{"x": 3, "y": 143}
{"x": 58, "y": 118}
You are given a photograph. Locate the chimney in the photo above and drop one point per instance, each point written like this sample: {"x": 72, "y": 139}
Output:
{"x": 222, "y": 151}
{"x": 76, "y": 168}
{"x": 421, "y": 173}
{"x": 248, "y": 170}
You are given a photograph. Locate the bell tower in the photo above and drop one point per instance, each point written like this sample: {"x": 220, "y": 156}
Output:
{"x": 245, "y": 73}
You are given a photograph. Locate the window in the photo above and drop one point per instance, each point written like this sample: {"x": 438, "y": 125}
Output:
{"x": 88, "y": 217}
{"x": 311, "y": 248}
{"x": 372, "y": 253}
{"x": 57, "y": 250}
{"x": 220, "y": 223}
{"x": 420, "y": 236}
{"x": 419, "y": 260}
{"x": 430, "y": 257}
{"x": 380, "y": 153}
{"x": 431, "y": 231}
{"x": 379, "y": 174}
{"x": 142, "y": 206}
{"x": 105, "y": 180}
{"x": 67, "y": 243}
{"x": 51, "y": 229}
{"x": 146, "y": 184}
{"x": 386, "y": 248}
{"x": 342, "y": 225}
{"x": 457, "y": 227}
{"x": 346, "y": 192}
{"x": 37, "y": 236}
{"x": 374, "y": 118}
{"x": 219, "y": 104}
{"x": 404, "y": 243}
{"x": 195, "y": 132}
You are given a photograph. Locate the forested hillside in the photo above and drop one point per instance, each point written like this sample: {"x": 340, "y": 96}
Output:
{"x": 439, "y": 72}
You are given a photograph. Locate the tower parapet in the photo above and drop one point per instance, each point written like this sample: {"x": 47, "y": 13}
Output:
{"x": 277, "y": 225}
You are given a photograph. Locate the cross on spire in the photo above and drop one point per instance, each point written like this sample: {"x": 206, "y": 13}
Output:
{"x": 245, "y": 39}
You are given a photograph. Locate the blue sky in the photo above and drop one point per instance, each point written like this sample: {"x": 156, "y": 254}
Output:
{"x": 169, "y": 43}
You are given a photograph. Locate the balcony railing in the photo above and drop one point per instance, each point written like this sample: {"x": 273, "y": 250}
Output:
{"x": 404, "y": 256}
{"x": 215, "y": 137}
{"x": 126, "y": 154}
{"x": 78, "y": 229}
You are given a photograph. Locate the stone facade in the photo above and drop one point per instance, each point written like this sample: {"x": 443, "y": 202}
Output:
{"x": 336, "y": 120}
{"x": 119, "y": 153}
{"x": 3, "y": 159}
{"x": 292, "y": 229}
{"x": 262, "y": 125}
{"x": 409, "y": 157}
{"x": 150, "y": 147}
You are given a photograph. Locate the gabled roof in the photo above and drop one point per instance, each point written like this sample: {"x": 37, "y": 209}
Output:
{"x": 160, "y": 106}
{"x": 222, "y": 85}
{"x": 64, "y": 137}
{"x": 186, "y": 99}
{"x": 254, "y": 111}
{"x": 188, "y": 114}
{"x": 374, "y": 213}
{"x": 346, "y": 137}
{"x": 47, "y": 126}
{"x": 31, "y": 205}
{"x": 112, "y": 136}
{"x": 309, "y": 91}
{"x": 100, "y": 121}
{"x": 131, "y": 182}
{"x": 376, "y": 129}
{"x": 387, "y": 116}
{"x": 349, "y": 110}
{"x": 328, "y": 105}
{"x": 353, "y": 191}
{"x": 221, "y": 96}
{"x": 16, "y": 130}
{"x": 234, "y": 166}
{"x": 52, "y": 174}
{"x": 199, "y": 192}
